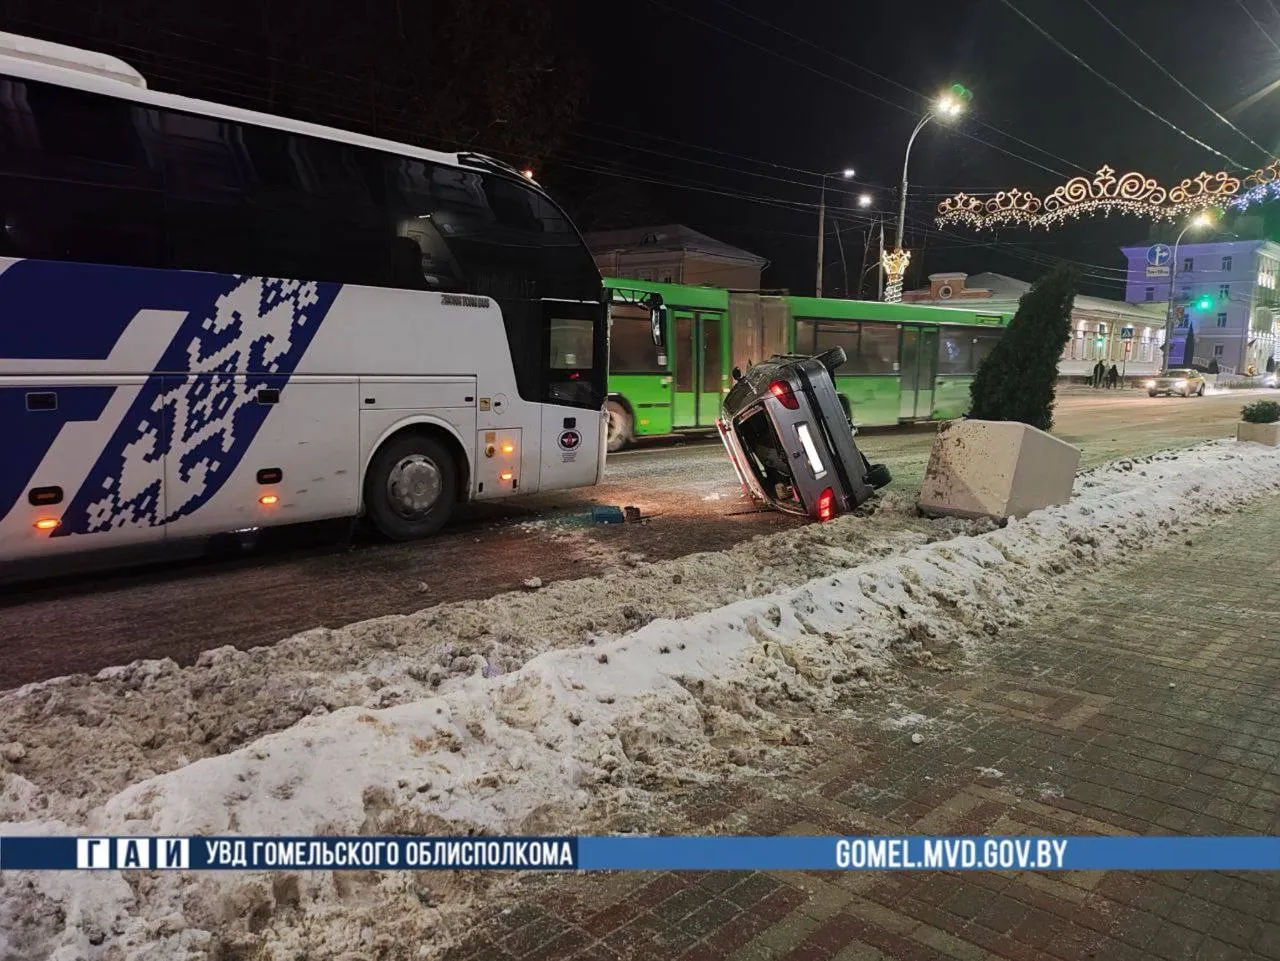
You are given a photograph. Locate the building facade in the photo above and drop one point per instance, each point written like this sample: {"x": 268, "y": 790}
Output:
{"x": 1127, "y": 335}
{"x": 1225, "y": 292}
{"x": 677, "y": 254}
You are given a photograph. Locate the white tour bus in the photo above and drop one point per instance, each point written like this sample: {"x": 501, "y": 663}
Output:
{"x": 213, "y": 319}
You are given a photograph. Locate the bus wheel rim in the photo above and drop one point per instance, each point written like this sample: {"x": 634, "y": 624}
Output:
{"x": 615, "y": 424}
{"x": 413, "y": 486}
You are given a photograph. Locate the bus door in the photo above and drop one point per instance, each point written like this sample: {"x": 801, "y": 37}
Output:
{"x": 918, "y": 355}
{"x": 698, "y": 356}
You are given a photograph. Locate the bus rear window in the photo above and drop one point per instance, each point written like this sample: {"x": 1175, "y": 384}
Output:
{"x": 572, "y": 344}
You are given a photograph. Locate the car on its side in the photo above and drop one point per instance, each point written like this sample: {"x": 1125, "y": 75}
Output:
{"x": 790, "y": 438}
{"x": 1182, "y": 381}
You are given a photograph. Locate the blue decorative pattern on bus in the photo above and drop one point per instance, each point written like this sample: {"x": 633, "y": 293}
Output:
{"x": 53, "y": 309}
{"x": 185, "y": 433}
{"x": 30, "y": 433}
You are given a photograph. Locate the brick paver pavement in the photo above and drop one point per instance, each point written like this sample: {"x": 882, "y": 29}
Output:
{"x": 1145, "y": 699}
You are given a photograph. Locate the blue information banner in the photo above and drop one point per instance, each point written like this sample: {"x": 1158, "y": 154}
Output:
{"x": 642, "y": 853}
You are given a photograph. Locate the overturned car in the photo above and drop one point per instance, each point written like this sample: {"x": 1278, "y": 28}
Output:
{"x": 791, "y": 439}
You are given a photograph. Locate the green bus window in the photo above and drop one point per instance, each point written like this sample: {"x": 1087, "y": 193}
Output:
{"x": 955, "y": 351}
{"x": 804, "y": 336}
{"x": 631, "y": 349}
{"x": 838, "y": 335}
{"x": 984, "y": 342}
{"x": 879, "y": 353}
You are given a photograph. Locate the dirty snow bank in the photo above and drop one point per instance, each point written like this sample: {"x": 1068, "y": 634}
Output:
{"x": 85, "y": 738}
{"x": 572, "y": 733}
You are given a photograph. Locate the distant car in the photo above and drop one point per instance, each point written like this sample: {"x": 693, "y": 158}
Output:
{"x": 1181, "y": 381}
{"x": 791, "y": 441}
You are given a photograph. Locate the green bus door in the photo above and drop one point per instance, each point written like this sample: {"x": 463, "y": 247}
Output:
{"x": 699, "y": 369}
{"x": 918, "y": 353}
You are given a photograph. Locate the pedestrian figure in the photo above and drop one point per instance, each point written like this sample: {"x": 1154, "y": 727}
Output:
{"x": 1113, "y": 377}
{"x": 1099, "y": 371}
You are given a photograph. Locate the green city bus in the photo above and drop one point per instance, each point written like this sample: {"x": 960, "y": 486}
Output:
{"x": 906, "y": 362}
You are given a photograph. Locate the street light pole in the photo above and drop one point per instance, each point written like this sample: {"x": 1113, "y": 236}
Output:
{"x": 902, "y": 193}
{"x": 948, "y": 107}
{"x": 822, "y": 224}
{"x": 1200, "y": 220}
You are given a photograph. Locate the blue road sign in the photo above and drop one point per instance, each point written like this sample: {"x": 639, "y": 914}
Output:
{"x": 1159, "y": 255}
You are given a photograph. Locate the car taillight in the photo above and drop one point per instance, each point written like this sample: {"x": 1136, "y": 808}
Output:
{"x": 826, "y": 505}
{"x": 782, "y": 390}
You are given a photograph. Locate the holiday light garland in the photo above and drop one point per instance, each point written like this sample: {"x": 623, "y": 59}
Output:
{"x": 895, "y": 266}
{"x": 1263, "y": 184}
{"x": 1131, "y": 193}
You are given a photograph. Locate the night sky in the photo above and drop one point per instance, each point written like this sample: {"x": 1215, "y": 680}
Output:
{"x": 659, "y": 74}
{"x": 719, "y": 113}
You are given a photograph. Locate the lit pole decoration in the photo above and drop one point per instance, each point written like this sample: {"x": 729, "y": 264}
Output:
{"x": 1202, "y": 219}
{"x": 948, "y": 107}
{"x": 895, "y": 265}
{"x": 847, "y": 173}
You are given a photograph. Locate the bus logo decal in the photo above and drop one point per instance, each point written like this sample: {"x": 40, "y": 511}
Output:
{"x": 185, "y": 434}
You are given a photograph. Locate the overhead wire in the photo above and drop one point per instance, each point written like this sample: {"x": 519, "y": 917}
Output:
{"x": 1182, "y": 86}
{"x": 1261, "y": 29}
{"x": 901, "y": 86}
{"x": 1116, "y": 87}
{"x": 840, "y": 80}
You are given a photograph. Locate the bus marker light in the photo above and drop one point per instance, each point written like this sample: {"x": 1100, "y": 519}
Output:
{"x": 47, "y": 523}
{"x": 506, "y": 475}
{"x": 826, "y": 505}
{"x": 508, "y": 448}
{"x": 267, "y": 500}
{"x": 488, "y": 450}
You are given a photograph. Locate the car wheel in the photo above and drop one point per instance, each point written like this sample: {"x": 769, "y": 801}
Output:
{"x": 621, "y": 429}
{"x": 1151, "y": 393}
{"x": 1200, "y": 392}
{"x": 411, "y": 487}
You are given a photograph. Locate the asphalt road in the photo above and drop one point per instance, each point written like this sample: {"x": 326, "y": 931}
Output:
{"x": 685, "y": 489}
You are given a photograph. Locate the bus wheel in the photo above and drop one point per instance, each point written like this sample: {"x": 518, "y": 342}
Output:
{"x": 620, "y": 426}
{"x": 411, "y": 487}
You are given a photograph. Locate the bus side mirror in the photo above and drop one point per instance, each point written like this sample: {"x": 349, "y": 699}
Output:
{"x": 737, "y": 374}
{"x": 655, "y": 324}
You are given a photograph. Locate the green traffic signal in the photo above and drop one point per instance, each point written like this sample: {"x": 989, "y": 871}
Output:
{"x": 1205, "y": 302}
{"x": 961, "y": 91}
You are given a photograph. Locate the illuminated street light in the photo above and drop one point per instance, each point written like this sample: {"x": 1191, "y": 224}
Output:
{"x": 948, "y": 107}
{"x": 864, "y": 200}
{"x": 1203, "y": 219}
{"x": 847, "y": 173}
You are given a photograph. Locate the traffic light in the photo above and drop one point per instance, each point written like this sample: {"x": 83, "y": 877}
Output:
{"x": 962, "y": 92}
{"x": 1204, "y": 303}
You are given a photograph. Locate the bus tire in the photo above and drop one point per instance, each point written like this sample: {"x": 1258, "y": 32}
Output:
{"x": 621, "y": 426}
{"x": 411, "y": 487}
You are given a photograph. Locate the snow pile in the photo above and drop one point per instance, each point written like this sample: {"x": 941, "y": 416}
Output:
{"x": 555, "y": 743}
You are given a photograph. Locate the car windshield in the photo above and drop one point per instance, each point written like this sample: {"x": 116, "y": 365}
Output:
{"x": 1181, "y": 373}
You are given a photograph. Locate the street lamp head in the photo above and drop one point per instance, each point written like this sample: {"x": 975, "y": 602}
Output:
{"x": 848, "y": 172}
{"x": 1202, "y": 219}
{"x": 949, "y": 106}
{"x": 864, "y": 200}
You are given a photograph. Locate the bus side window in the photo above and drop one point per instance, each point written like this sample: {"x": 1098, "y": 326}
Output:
{"x": 76, "y": 182}
{"x": 414, "y": 211}
{"x": 878, "y": 353}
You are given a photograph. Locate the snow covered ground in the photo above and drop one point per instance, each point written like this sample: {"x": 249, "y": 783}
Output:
{"x": 544, "y": 711}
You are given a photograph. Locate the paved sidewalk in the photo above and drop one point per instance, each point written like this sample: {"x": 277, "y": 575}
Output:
{"x": 1145, "y": 700}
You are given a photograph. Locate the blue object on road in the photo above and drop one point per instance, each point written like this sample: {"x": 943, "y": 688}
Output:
{"x": 607, "y": 515}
